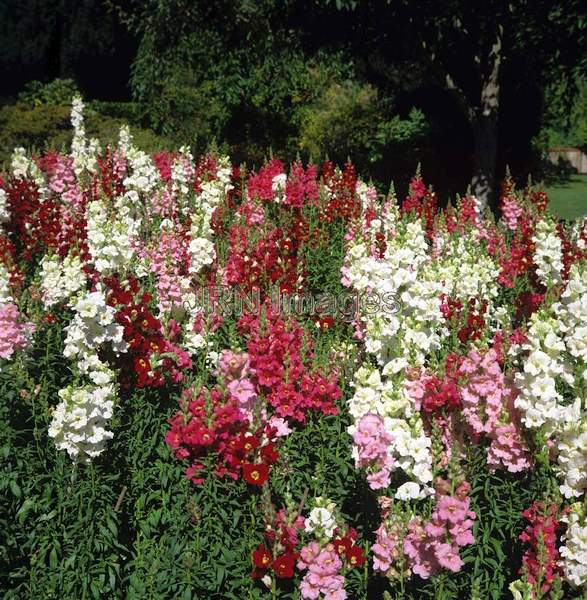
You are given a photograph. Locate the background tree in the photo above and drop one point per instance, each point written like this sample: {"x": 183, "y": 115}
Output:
{"x": 466, "y": 47}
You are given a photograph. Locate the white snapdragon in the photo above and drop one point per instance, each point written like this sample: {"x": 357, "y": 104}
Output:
{"x": 92, "y": 327}
{"x": 79, "y": 423}
{"x": 412, "y": 328}
{"x": 465, "y": 272}
{"x": 538, "y": 400}
{"x": 80, "y": 419}
{"x": 322, "y": 520}
{"x": 24, "y": 167}
{"x": 124, "y": 140}
{"x": 4, "y": 211}
{"x": 202, "y": 254}
{"x": 278, "y": 186}
{"x": 548, "y": 254}
{"x": 574, "y": 547}
{"x": 60, "y": 280}
{"x": 212, "y": 193}
{"x": 182, "y": 172}
{"x": 110, "y": 240}
{"x": 83, "y": 152}
{"x": 571, "y": 312}
{"x": 143, "y": 175}
{"x": 5, "y": 291}
{"x": 571, "y": 444}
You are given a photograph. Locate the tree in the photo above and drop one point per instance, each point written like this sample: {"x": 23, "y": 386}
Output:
{"x": 465, "y": 45}
{"x": 260, "y": 75}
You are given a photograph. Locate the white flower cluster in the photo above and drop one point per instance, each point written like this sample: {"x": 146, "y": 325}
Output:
{"x": 571, "y": 312}
{"x": 389, "y": 399}
{"x": 80, "y": 419}
{"x": 538, "y": 400}
{"x": 92, "y": 327}
{"x": 61, "y": 279}
{"x": 24, "y": 167}
{"x": 413, "y": 328}
{"x": 572, "y": 451}
{"x": 143, "y": 175}
{"x": 124, "y": 140}
{"x": 83, "y": 152}
{"x": 4, "y": 212}
{"x": 213, "y": 192}
{"x": 465, "y": 272}
{"x": 322, "y": 520}
{"x": 182, "y": 172}
{"x": 557, "y": 352}
{"x": 574, "y": 547}
{"x": 5, "y": 292}
{"x": 577, "y": 230}
{"x": 278, "y": 186}
{"x": 110, "y": 240}
{"x": 548, "y": 253}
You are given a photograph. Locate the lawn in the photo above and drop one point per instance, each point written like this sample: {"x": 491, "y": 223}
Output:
{"x": 569, "y": 200}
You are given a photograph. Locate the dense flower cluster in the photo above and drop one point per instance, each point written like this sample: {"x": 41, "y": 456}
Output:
{"x": 541, "y": 560}
{"x": 15, "y": 333}
{"x": 331, "y": 551}
{"x": 424, "y": 547}
{"x": 573, "y": 548}
{"x": 466, "y": 344}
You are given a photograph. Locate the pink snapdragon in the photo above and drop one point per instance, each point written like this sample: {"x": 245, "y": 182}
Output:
{"x": 372, "y": 442}
{"x": 14, "y": 333}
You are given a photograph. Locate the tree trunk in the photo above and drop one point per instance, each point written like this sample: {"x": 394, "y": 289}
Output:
{"x": 484, "y": 125}
{"x": 485, "y": 157}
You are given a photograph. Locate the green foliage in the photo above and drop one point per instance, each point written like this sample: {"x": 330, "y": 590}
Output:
{"x": 40, "y": 119}
{"x": 565, "y": 119}
{"x": 58, "y": 92}
{"x": 351, "y": 119}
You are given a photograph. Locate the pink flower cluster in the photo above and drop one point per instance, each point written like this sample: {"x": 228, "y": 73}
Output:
{"x": 435, "y": 544}
{"x": 371, "y": 443}
{"x": 14, "y": 333}
{"x": 387, "y": 548}
{"x": 428, "y": 546}
{"x": 169, "y": 260}
{"x": 323, "y": 573}
{"x": 301, "y": 185}
{"x": 488, "y": 409}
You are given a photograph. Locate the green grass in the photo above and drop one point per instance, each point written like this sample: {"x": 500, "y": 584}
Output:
{"x": 568, "y": 200}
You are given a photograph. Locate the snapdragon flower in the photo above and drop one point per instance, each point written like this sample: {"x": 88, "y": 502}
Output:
{"x": 548, "y": 253}
{"x": 80, "y": 419}
{"x": 60, "y": 279}
{"x": 574, "y": 547}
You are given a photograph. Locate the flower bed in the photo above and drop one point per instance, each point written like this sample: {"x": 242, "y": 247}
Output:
{"x": 278, "y": 383}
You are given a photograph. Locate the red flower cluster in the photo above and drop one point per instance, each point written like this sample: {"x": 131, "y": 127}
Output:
{"x": 259, "y": 264}
{"x": 277, "y": 350}
{"x": 261, "y": 184}
{"x": 467, "y": 320}
{"x": 343, "y": 201}
{"x": 112, "y": 173}
{"x": 35, "y": 224}
{"x": 144, "y": 335}
{"x": 281, "y": 535}
{"x": 442, "y": 393}
{"x": 345, "y": 547}
{"x": 541, "y": 560}
{"x": 572, "y": 253}
{"x": 211, "y": 423}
